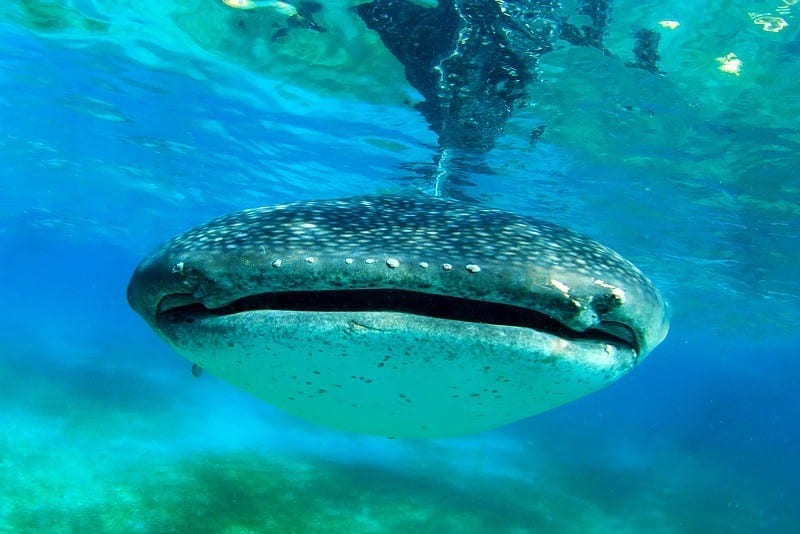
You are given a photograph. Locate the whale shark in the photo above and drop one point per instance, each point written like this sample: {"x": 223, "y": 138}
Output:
{"x": 400, "y": 315}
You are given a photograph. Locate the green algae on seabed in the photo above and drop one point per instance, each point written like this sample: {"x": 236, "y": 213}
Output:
{"x": 249, "y": 493}
{"x": 258, "y": 493}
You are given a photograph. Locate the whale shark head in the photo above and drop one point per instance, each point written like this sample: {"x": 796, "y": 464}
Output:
{"x": 407, "y": 316}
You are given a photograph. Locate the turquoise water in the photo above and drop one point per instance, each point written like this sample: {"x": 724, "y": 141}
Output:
{"x": 124, "y": 123}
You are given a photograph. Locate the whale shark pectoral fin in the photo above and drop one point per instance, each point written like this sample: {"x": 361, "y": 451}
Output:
{"x": 197, "y": 371}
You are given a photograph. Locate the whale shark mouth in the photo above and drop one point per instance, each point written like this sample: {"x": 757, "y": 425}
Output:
{"x": 184, "y": 308}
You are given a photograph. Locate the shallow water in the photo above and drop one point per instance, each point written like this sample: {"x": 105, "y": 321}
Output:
{"x": 124, "y": 123}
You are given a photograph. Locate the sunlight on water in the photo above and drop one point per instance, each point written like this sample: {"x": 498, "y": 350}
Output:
{"x": 123, "y": 123}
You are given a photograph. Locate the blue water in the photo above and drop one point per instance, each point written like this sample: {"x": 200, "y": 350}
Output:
{"x": 122, "y": 131}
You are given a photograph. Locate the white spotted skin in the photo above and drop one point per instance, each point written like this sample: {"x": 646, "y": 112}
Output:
{"x": 394, "y": 242}
{"x": 518, "y": 257}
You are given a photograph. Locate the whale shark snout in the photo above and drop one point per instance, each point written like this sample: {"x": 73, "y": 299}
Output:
{"x": 400, "y": 315}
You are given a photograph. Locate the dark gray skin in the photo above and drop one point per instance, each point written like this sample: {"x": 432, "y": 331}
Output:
{"x": 400, "y": 315}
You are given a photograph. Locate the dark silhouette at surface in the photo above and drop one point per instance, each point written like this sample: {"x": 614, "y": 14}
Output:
{"x": 470, "y": 59}
{"x": 475, "y": 61}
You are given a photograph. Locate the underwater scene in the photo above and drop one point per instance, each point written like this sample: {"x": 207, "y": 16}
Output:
{"x": 503, "y": 266}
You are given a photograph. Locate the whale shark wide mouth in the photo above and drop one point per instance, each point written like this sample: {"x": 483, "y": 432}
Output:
{"x": 182, "y": 307}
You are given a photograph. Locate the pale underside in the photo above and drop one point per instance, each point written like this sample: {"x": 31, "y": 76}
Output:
{"x": 395, "y": 374}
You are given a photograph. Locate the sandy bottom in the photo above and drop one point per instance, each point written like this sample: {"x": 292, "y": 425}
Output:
{"x": 93, "y": 440}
